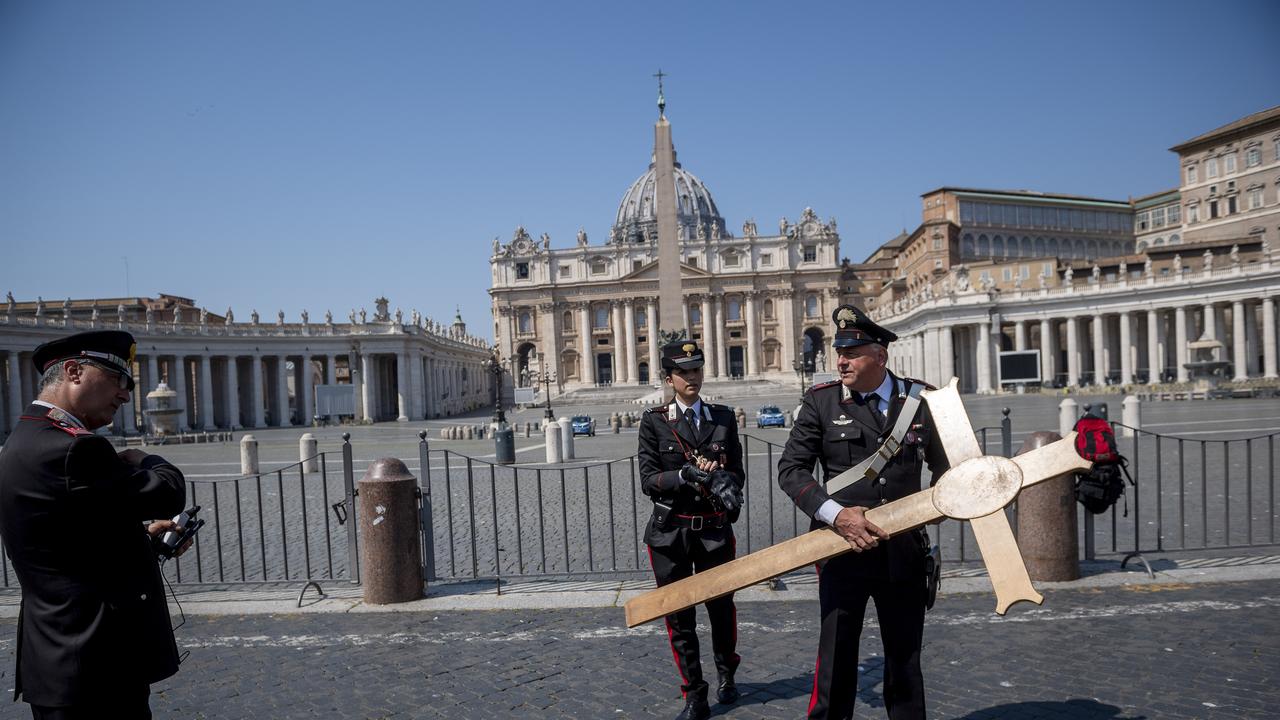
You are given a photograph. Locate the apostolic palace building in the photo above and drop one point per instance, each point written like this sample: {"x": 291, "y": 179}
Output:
{"x": 1108, "y": 291}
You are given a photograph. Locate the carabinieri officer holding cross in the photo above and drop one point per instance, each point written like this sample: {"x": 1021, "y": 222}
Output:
{"x": 875, "y": 417}
{"x": 691, "y": 467}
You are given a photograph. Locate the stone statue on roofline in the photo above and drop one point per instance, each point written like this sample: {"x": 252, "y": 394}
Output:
{"x": 254, "y": 317}
{"x": 229, "y": 317}
{"x": 582, "y": 237}
{"x": 1208, "y": 261}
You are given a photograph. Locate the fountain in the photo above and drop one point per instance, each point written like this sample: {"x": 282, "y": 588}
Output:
{"x": 162, "y": 414}
{"x": 1206, "y": 367}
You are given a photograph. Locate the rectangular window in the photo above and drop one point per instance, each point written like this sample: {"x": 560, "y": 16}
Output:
{"x": 1077, "y": 220}
{"x": 966, "y": 213}
{"x": 1253, "y": 157}
{"x": 734, "y": 310}
{"x": 695, "y": 314}
{"x": 810, "y": 253}
{"x": 766, "y": 259}
{"x": 1144, "y": 221}
{"x": 1213, "y": 209}
{"x": 937, "y": 243}
{"x": 522, "y": 271}
{"x": 980, "y": 213}
{"x": 1192, "y": 175}
{"x": 985, "y": 277}
{"x": 566, "y": 271}
{"x": 1008, "y": 274}
{"x": 1193, "y": 213}
{"x": 1037, "y": 216}
{"x": 1211, "y": 168}
{"x": 600, "y": 320}
{"x": 1255, "y": 199}
{"x": 732, "y": 260}
{"x": 1157, "y": 218}
{"x": 1231, "y": 205}
{"x": 1175, "y": 212}
{"x": 1046, "y": 269}
{"x": 1275, "y": 151}
{"x": 598, "y": 267}
{"x": 1229, "y": 163}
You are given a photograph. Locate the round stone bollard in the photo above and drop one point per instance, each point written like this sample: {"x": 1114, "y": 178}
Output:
{"x": 248, "y": 455}
{"x": 566, "y": 438}
{"x": 1131, "y": 415}
{"x": 553, "y": 442}
{"x": 1068, "y": 413}
{"x": 307, "y": 453}
{"x": 390, "y": 549}
{"x": 615, "y": 424}
{"x": 1047, "y": 522}
{"x": 471, "y": 433}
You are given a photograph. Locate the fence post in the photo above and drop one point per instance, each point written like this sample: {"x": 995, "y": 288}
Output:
{"x": 1006, "y": 434}
{"x": 428, "y": 537}
{"x": 349, "y": 498}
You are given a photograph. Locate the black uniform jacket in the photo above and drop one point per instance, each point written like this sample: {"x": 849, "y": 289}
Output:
{"x": 94, "y": 618}
{"x": 841, "y": 432}
{"x": 665, "y": 435}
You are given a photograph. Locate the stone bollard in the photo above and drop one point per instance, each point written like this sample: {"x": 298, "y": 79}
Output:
{"x": 1068, "y": 413}
{"x": 248, "y": 455}
{"x": 444, "y": 433}
{"x": 566, "y": 438}
{"x": 470, "y": 433}
{"x": 1131, "y": 415}
{"x": 553, "y": 442}
{"x": 615, "y": 424}
{"x": 742, "y": 417}
{"x": 390, "y": 549}
{"x": 626, "y": 420}
{"x": 307, "y": 453}
{"x": 1047, "y": 522}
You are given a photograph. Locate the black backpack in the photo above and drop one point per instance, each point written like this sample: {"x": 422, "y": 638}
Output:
{"x": 1100, "y": 487}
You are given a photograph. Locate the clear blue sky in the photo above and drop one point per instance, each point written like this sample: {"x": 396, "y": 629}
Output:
{"x": 290, "y": 155}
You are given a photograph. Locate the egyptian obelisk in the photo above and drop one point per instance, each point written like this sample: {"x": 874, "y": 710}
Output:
{"x": 670, "y": 317}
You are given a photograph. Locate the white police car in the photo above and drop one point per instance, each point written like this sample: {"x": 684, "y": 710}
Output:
{"x": 770, "y": 416}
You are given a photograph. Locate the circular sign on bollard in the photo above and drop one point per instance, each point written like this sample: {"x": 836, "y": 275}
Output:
{"x": 391, "y": 549}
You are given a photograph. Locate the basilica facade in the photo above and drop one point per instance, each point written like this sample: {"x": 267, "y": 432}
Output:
{"x": 759, "y": 303}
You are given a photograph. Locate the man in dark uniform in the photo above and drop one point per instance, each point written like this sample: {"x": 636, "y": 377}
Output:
{"x": 840, "y": 424}
{"x": 94, "y": 629}
{"x": 691, "y": 466}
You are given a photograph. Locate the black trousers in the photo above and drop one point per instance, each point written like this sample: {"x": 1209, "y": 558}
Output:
{"x": 843, "y": 596}
{"x": 129, "y": 704}
{"x": 680, "y": 560}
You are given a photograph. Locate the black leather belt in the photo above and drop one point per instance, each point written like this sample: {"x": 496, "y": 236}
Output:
{"x": 699, "y": 522}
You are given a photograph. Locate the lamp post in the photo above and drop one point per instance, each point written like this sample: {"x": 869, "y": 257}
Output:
{"x": 802, "y": 368}
{"x": 494, "y": 367}
{"x": 546, "y": 378}
{"x": 503, "y": 436}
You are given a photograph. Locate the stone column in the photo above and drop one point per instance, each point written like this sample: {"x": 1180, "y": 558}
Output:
{"x": 231, "y": 384}
{"x": 258, "y": 416}
{"x": 15, "y": 388}
{"x": 708, "y": 335}
{"x": 629, "y": 320}
{"x": 753, "y": 343}
{"x": 1073, "y": 351}
{"x": 1238, "y": 356}
{"x": 1126, "y": 349}
{"x": 1180, "y": 342}
{"x": 282, "y": 391}
{"x": 684, "y": 315}
{"x": 588, "y": 353}
{"x": 1155, "y": 358}
{"x": 1020, "y": 335}
{"x": 306, "y": 394}
{"x": 655, "y": 341}
{"x": 1210, "y": 322}
{"x": 417, "y": 392}
{"x": 1046, "y": 352}
{"x": 984, "y": 357}
{"x": 1251, "y": 340}
{"x": 785, "y": 307}
{"x": 153, "y": 374}
{"x": 402, "y": 386}
{"x": 946, "y": 355}
{"x": 1269, "y": 338}
{"x": 619, "y": 342}
{"x": 1099, "y": 350}
{"x": 933, "y": 358}
{"x": 722, "y": 360}
{"x": 205, "y": 403}
{"x": 549, "y": 338}
{"x": 178, "y": 383}
{"x": 366, "y": 386}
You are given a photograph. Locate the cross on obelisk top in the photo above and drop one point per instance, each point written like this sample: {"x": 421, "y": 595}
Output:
{"x": 662, "y": 100}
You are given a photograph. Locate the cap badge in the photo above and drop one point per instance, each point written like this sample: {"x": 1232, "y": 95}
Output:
{"x": 845, "y": 317}
{"x": 688, "y": 349}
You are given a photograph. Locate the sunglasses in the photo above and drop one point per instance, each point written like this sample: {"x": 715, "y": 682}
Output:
{"x": 123, "y": 381}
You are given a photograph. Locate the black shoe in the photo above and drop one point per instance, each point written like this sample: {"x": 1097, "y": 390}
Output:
{"x": 695, "y": 706}
{"x": 727, "y": 692}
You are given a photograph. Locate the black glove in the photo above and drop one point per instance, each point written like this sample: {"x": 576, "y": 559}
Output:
{"x": 692, "y": 475}
{"x": 725, "y": 490}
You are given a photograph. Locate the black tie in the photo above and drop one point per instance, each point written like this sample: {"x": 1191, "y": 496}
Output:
{"x": 873, "y": 404}
{"x": 688, "y": 417}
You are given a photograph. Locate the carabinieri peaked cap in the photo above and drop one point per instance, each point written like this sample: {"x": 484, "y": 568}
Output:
{"x": 681, "y": 355}
{"x": 854, "y": 328}
{"x": 113, "y": 349}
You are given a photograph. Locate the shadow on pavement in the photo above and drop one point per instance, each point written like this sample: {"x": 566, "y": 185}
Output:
{"x": 1077, "y": 709}
{"x": 761, "y": 693}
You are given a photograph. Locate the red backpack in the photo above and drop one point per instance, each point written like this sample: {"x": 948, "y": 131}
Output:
{"x": 1100, "y": 487}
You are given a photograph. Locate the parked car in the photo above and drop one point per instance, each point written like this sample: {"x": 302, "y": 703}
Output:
{"x": 770, "y": 416}
{"x": 583, "y": 425}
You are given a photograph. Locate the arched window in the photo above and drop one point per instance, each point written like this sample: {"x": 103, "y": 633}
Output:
{"x": 997, "y": 247}
{"x": 566, "y": 321}
{"x": 641, "y": 318}
{"x": 966, "y": 246}
{"x": 768, "y": 309}
{"x": 525, "y": 322}
{"x": 1041, "y": 250}
{"x": 1054, "y": 248}
{"x": 734, "y": 310}
{"x": 1093, "y": 249}
{"x": 1026, "y": 247}
{"x": 811, "y": 306}
{"x": 984, "y": 246}
{"x": 1175, "y": 239}
{"x": 1077, "y": 249}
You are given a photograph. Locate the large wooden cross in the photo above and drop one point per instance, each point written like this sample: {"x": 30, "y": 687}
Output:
{"x": 976, "y": 488}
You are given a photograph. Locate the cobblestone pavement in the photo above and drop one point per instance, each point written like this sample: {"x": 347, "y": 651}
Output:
{"x": 1128, "y": 652}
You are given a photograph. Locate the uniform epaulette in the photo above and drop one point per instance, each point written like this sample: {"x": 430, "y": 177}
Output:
{"x": 69, "y": 429}
{"x": 656, "y": 408}
{"x": 820, "y": 386}
{"x": 914, "y": 381}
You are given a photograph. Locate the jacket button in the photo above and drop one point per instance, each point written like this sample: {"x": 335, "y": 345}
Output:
{"x": 841, "y": 434}
{"x": 882, "y": 481}
{"x": 144, "y": 596}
